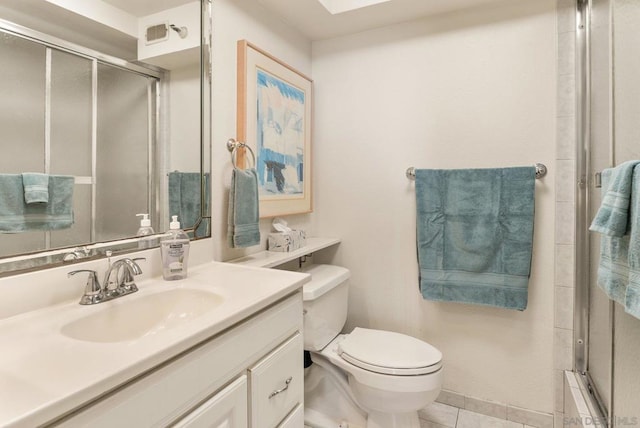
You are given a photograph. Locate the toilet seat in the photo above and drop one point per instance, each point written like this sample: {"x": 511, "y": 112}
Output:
{"x": 385, "y": 382}
{"x": 389, "y": 353}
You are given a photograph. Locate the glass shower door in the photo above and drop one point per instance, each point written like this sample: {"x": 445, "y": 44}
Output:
{"x": 626, "y": 125}
{"x": 613, "y": 339}
{"x": 64, "y": 112}
{"x": 22, "y": 100}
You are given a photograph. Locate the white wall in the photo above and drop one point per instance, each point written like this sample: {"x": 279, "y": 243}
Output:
{"x": 469, "y": 89}
{"x": 234, "y": 20}
{"x": 184, "y": 129}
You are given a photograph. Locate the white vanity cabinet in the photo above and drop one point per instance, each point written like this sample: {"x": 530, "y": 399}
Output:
{"x": 276, "y": 384}
{"x": 250, "y": 375}
{"x": 228, "y": 408}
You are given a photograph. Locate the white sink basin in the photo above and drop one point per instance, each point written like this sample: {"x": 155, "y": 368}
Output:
{"x": 126, "y": 320}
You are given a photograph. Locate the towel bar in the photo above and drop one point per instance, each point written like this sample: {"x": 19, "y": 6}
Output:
{"x": 233, "y": 145}
{"x": 541, "y": 171}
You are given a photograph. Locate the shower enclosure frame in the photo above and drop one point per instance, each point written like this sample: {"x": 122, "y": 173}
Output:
{"x": 582, "y": 257}
{"x": 586, "y": 182}
{"x": 155, "y": 113}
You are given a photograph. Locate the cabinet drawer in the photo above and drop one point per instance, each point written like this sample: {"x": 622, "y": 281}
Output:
{"x": 228, "y": 408}
{"x": 276, "y": 384}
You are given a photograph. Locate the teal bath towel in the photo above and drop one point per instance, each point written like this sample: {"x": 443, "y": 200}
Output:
{"x": 613, "y": 215}
{"x": 243, "y": 229}
{"x": 619, "y": 265}
{"x": 475, "y": 235}
{"x": 185, "y": 201}
{"x": 36, "y": 187}
{"x": 18, "y": 216}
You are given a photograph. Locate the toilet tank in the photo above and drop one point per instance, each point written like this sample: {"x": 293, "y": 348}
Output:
{"x": 325, "y": 300}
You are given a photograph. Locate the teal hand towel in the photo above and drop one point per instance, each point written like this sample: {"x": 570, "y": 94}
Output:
{"x": 619, "y": 265}
{"x": 18, "y": 216}
{"x": 613, "y": 266}
{"x": 243, "y": 216}
{"x": 185, "y": 200}
{"x": 475, "y": 235}
{"x": 36, "y": 187}
{"x": 612, "y": 217}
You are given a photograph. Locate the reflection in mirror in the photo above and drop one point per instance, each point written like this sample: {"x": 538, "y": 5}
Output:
{"x": 105, "y": 115}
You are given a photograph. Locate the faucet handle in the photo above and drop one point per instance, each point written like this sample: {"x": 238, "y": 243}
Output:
{"x": 92, "y": 290}
{"x": 131, "y": 268}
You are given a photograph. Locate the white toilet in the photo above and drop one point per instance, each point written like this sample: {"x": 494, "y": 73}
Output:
{"x": 390, "y": 376}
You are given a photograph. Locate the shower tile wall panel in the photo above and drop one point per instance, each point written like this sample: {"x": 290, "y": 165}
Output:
{"x": 565, "y": 200}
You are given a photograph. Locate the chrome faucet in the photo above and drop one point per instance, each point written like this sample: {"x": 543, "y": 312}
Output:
{"x": 76, "y": 253}
{"x": 118, "y": 281}
{"x": 119, "y": 277}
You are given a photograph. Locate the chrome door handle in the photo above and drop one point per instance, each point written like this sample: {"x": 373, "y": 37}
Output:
{"x": 278, "y": 391}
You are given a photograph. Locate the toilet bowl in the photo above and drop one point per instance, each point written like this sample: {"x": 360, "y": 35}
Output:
{"x": 390, "y": 375}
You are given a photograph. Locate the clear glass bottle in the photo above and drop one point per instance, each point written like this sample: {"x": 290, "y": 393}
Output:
{"x": 174, "y": 250}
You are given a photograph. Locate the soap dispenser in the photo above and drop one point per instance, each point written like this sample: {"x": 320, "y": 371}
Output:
{"x": 174, "y": 250}
{"x": 145, "y": 231}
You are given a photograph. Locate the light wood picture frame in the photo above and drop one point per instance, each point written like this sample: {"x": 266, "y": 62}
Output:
{"x": 274, "y": 118}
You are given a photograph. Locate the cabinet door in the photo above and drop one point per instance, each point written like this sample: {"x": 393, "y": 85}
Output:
{"x": 276, "y": 384}
{"x": 226, "y": 409}
{"x": 295, "y": 418}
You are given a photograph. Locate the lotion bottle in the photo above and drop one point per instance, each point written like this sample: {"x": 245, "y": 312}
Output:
{"x": 174, "y": 250}
{"x": 145, "y": 231}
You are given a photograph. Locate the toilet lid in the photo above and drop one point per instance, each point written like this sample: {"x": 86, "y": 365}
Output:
{"x": 387, "y": 352}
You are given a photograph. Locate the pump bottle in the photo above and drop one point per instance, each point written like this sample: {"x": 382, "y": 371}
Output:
{"x": 145, "y": 231}
{"x": 174, "y": 250}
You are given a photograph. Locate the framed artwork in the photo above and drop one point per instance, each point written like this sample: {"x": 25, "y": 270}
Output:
{"x": 274, "y": 118}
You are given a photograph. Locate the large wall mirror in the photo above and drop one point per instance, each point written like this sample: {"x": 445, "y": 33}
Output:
{"x": 105, "y": 114}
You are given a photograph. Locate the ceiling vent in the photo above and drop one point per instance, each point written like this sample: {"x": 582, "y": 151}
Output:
{"x": 157, "y": 33}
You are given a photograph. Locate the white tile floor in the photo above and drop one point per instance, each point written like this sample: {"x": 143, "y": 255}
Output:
{"x": 439, "y": 415}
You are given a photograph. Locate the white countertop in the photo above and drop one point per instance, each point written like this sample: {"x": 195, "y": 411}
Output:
{"x": 44, "y": 373}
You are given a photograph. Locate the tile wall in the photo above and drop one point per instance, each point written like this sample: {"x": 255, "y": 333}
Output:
{"x": 452, "y": 401}
{"x": 565, "y": 201}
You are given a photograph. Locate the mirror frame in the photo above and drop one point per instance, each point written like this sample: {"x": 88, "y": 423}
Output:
{"x": 44, "y": 259}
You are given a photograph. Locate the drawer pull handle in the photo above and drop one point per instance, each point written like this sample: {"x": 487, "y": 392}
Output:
{"x": 278, "y": 391}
